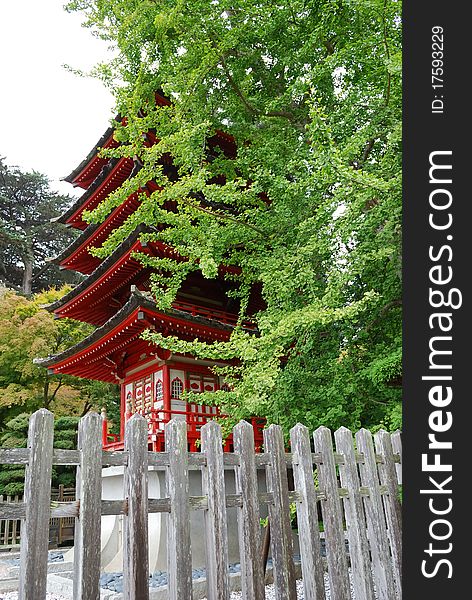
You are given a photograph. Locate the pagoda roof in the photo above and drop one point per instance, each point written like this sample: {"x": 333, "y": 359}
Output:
{"x": 84, "y": 174}
{"x": 89, "y": 301}
{"x": 77, "y": 256}
{"x": 103, "y": 353}
{"x": 95, "y": 298}
{"x": 109, "y": 179}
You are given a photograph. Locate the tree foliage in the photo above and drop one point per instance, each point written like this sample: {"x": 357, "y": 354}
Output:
{"x": 28, "y": 331}
{"x": 310, "y": 206}
{"x": 27, "y": 238}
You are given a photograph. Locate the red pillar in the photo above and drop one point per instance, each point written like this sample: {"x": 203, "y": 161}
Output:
{"x": 166, "y": 392}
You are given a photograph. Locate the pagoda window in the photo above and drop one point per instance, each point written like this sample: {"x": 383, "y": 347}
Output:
{"x": 159, "y": 391}
{"x": 176, "y": 388}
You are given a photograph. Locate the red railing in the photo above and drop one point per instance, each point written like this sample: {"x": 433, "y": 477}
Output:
{"x": 157, "y": 418}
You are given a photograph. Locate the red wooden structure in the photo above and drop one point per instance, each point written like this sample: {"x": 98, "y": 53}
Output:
{"x": 115, "y": 297}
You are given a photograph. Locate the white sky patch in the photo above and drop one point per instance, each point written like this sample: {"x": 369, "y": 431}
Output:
{"x": 338, "y": 80}
{"x": 50, "y": 118}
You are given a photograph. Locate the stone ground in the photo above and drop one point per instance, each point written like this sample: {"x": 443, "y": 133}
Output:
{"x": 14, "y": 596}
{"x": 269, "y": 593}
{"x": 160, "y": 578}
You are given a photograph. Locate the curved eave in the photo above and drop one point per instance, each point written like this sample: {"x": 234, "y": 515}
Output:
{"x": 92, "y": 357}
{"x": 109, "y": 264}
{"x": 110, "y": 178}
{"x": 77, "y": 257}
{"x": 89, "y": 167}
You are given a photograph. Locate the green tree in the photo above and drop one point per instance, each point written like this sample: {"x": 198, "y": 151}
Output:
{"x": 27, "y": 238}
{"x": 309, "y": 206}
{"x": 28, "y": 331}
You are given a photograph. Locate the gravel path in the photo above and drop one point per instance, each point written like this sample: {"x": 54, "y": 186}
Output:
{"x": 14, "y": 596}
{"x": 270, "y": 592}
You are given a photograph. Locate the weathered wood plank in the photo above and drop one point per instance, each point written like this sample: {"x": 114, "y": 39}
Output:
{"x": 135, "y": 523}
{"x": 14, "y": 456}
{"x": 391, "y": 502}
{"x": 332, "y": 517}
{"x": 20, "y": 456}
{"x": 179, "y": 557}
{"x": 158, "y": 459}
{"x": 355, "y": 519}
{"x": 307, "y": 514}
{"x": 114, "y": 459}
{"x": 35, "y": 526}
{"x": 252, "y": 575}
{"x": 376, "y": 526}
{"x": 397, "y": 448}
{"x": 279, "y": 515}
{"x": 119, "y": 458}
{"x": 87, "y": 525}
{"x": 216, "y": 533}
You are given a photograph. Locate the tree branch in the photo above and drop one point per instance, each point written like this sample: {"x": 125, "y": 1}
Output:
{"x": 56, "y": 390}
{"x": 223, "y": 216}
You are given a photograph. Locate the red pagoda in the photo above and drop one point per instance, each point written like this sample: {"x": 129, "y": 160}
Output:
{"x": 115, "y": 297}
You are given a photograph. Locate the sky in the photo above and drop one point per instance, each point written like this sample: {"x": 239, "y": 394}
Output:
{"x": 49, "y": 118}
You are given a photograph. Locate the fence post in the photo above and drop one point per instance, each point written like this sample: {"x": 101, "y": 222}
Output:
{"x": 355, "y": 519}
{"x": 37, "y": 498}
{"x": 393, "y": 512}
{"x": 87, "y": 525}
{"x": 179, "y": 555}
{"x": 135, "y": 522}
{"x": 376, "y": 527}
{"x": 252, "y": 575}
{"x": 332, "y": 517}
{"x": 279, "y": 514}
{"x": 216, "y": 534}
{"x": 307, "y": 514}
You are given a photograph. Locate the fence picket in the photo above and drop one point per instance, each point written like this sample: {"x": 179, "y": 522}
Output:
{"x": 216, "y": 534}
{"x": 87, "y": 525}
{"x": 332, "y": 517}
{"x": 179, "y": 556}
{"x": 307, "y": 515}
{"x": 252, "y": 575}
{"x": 279, "y": 515}
{"x": 355, "y": 520}
{"x": 35, "y": 527}
{"x": 397, "y": 448}
{"x": 388, "y": 477}
{"x": 135, "y": 530}
{"x": 376, "y": 526}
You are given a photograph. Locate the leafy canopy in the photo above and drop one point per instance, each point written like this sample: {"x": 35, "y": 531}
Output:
{"x": 28, "y": 331}
{"x": 310, "y": 206}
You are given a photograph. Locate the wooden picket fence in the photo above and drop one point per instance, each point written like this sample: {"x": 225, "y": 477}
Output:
{"x": 60, "y": 530}
{"x": 356, "y": 486}
{"x": 9, "y": 528}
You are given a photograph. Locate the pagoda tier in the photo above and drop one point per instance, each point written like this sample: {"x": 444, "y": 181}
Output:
{"x": 101, "y": 294}
{"x": 83, "y": 175}
{"x": 152, "y": 379}
{"x": 77, "y": 257}
{"x": 116, "y": 346}
{"x": 111, "y": 176}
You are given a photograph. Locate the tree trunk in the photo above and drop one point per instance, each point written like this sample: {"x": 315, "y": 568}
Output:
{"x": 46, "y": 392}
{"x": 27, "y": 284}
